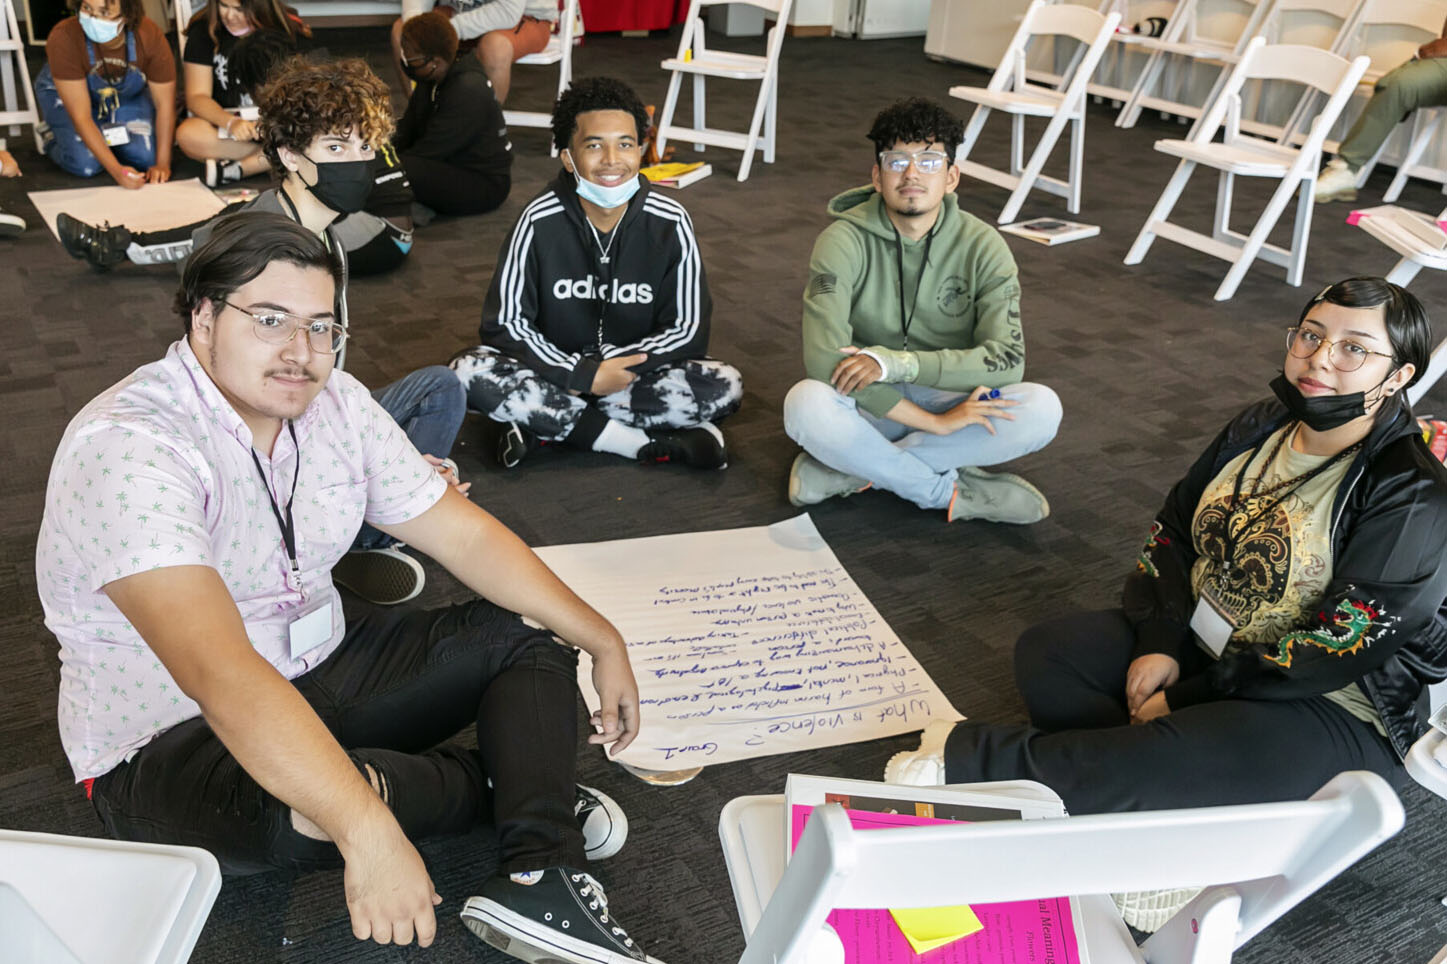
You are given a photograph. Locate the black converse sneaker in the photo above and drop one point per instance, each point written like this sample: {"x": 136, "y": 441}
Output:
{"x": 386, "y": 576}
{"x": 605, "y": 826}
{"x": 553, "y": 916}
{"x": 701, "y": 446}
{"x": 101, "y": 246}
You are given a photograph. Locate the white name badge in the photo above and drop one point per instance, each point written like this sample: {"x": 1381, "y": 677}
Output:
{"x": 117, "y": 135}
{"x": 310, "y": 627}
{"x": 1213, "y": 628}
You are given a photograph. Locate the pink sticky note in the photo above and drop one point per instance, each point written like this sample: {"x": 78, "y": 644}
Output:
{"x": 1015, "y": 932}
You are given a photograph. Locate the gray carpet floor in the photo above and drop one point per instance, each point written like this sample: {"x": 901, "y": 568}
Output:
{"x": 1147, "y": 365}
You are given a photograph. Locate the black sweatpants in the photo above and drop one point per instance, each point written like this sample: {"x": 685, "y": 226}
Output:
{"x": 401, "y": 682}
{"x": 452, "y": 190}
{"x": 1081, "y": 744}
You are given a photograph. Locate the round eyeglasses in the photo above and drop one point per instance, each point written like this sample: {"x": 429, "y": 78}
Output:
{"x": 1345, "y": 355}
{"x": 926, "y": 162}
{"x": 277, "y": 327}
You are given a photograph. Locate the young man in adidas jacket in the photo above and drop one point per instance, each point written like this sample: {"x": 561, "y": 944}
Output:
{"x": 595, "y": 329}
{"x": 913, "y": 344}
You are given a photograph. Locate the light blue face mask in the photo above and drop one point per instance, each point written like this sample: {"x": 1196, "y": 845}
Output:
{"x": 98, "y": 30}
{"x": 606, "y": 197}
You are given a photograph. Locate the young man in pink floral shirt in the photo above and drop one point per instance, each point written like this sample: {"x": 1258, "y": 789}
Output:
{"x": 211, "y": 692}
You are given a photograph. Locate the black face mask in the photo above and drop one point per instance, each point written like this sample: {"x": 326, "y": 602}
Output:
{"x": 343, "y": 186}
{"x": 414, "y": 74}
{"x": 1324, "y": 412}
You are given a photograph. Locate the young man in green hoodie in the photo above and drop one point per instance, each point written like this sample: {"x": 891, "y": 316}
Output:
{"x": 912, "y": 341}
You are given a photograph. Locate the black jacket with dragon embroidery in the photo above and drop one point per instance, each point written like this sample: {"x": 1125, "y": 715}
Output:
{"x": 1382, "y": 621}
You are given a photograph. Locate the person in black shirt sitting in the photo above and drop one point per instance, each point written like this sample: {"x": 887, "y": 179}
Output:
{"x": 217, "y": 132}
{"x": 452, "y": 139}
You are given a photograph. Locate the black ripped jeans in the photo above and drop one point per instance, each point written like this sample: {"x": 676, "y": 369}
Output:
{"x": 401, "y": 682}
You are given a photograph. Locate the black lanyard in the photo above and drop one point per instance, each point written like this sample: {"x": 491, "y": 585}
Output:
{"x": 1230, "y": 539}
{"x": 288, "y": 527}
{"x": 906, "y": 319}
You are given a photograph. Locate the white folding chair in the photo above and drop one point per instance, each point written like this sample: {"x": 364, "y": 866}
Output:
{"x": 12, "y": 56}
{"x": 695, "y": 58}
{"x": 558, "y": 51}
{"x": 1256, "y": 862}
{"x": 183, "y": 19}
{"x": 1010, "y": 92}
{"x": 1239, "y": 154}
{"x": 1182, "y": 39}
{"x": 105, "y": 901}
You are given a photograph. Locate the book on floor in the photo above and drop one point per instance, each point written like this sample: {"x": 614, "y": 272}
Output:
{"x": 1049, "y": 231}
{"x": 676, "y": 175}
{"x": 998, "y": 933}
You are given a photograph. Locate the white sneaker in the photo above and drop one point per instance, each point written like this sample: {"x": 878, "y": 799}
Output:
{"x": 924, "y": 767}
{"x": 1336, "y": 182}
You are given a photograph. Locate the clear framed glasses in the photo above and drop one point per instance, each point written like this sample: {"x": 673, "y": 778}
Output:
{"x": 279, "y": 327}
{"x": 1344, "y": 354}
{"x": 926, "y": 162}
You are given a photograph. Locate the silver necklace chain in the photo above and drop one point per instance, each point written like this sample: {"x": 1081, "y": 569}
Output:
{"x": 599, "y": 242}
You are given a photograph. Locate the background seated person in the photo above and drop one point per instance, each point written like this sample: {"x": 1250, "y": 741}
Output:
{"x": 255, "y": 720}
{"x": 595, "y": 328}
{"x": 498, "y": 31}
{"x": 214, "y": 88}
{"x": 452, "y": 139}
{"x": 1420, "y": 82}
{"x": 911, "y": 318}
{"x": 300, "y": 109}
{"x": 107, "y": 94}
{"x": 1284, "y": 616}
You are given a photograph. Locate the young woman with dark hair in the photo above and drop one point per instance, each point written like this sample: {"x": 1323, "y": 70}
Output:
{"x": 216, "y": 131}
{"x": 107, "y": 94}
{"x": 1284, "y": 616}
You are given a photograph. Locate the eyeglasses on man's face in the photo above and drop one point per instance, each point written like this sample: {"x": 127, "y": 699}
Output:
{"x": 926, "y": 162}
{"x": 1344, "y": 354}
{"x": 276, "y": 327}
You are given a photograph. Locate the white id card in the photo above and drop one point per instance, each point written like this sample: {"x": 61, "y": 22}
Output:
{"x": 117, "y": 135}
{"x": 1213, "y": 628}
{"x": 310, "y": 627}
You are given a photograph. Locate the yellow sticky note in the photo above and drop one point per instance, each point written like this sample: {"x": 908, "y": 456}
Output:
{"x": 927, "y": 928}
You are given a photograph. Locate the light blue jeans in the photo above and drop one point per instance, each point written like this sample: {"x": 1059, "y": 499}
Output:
{"x": 915, "y": 465}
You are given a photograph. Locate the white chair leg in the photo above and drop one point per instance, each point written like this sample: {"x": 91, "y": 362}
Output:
{"x": 1077, "y": 160}
{"x": 760, "y": 108}
{"x": 698, "y": 107}
{"x": 1221, "y": 221}
{"x": 1305, "y": 205}
{"x": 1144, "y": 84}
{"x": 665, "y": 122}
{"x": 1032, "y": 170}
{"x": 1414, "y": 155}
{"x": 972, "y": 132}
{"x": 1017, "y": 143}
{"x": 1161, "y": 212}
{"x": 1257, "y": 238}
{"x": 771, "y": 119}
{"x": 1404, "y": 271}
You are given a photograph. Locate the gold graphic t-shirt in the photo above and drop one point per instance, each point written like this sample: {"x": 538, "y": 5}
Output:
{"x": 1282, "y": 561}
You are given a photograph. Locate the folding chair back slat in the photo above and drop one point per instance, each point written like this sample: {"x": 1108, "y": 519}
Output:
{"x": 1260, "y": 859}
{"x": 1066, "y": 19}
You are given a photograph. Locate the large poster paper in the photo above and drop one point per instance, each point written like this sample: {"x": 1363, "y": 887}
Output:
{"x": 747, "y": 642}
